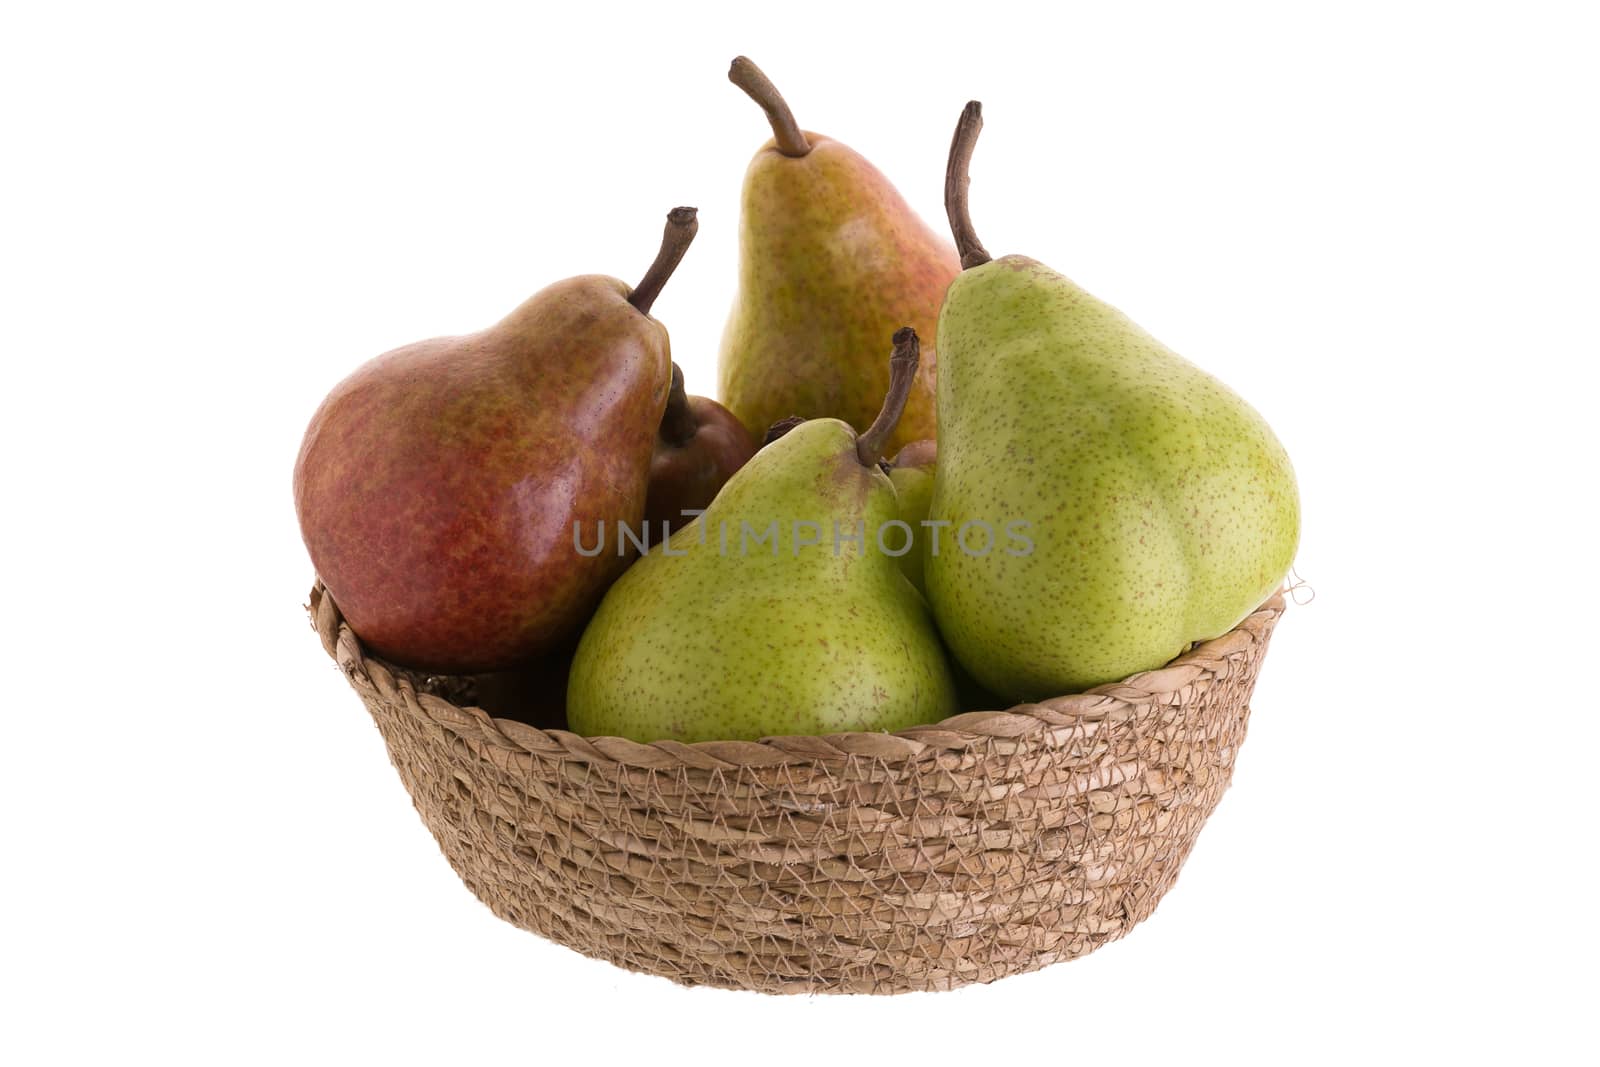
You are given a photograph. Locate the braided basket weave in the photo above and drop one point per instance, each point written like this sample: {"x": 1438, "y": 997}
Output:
{"x": 989, "y": 844}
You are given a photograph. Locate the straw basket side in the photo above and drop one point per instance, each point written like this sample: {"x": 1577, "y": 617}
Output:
{"x": 986, "y": 845}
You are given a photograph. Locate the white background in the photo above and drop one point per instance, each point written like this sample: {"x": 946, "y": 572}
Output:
{"x": 1377, "y": 222}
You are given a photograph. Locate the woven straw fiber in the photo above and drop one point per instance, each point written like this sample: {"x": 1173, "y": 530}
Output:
{"x": 986, "y": 845}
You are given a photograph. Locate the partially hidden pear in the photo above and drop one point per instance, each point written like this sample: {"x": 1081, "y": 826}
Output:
{"x": 700, "y": 447}
{"x": 774, "y": 612}
{"x": 831, "y": 260}
{"x": 1135, "y": 504}
{"x": 912, "y": 471}
{"x": 441, "y": 487}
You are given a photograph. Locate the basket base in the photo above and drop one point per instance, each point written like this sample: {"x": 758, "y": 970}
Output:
{"x": 991, "y": 844}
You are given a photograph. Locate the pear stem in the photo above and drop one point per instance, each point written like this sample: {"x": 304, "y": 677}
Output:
{"x": 902, "y": 372}
{"x": 785, "y": 131}
{"x": 779, "y": 428}
{"x": 956, "y": 181}
{"x": 678, "y": 424}
{"x": 682, "y": 224}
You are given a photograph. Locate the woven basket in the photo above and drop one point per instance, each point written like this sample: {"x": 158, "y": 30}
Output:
{"x": 987, "y": 845}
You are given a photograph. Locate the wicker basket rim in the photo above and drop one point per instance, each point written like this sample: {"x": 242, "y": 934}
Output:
{"x": 957, "y": 732}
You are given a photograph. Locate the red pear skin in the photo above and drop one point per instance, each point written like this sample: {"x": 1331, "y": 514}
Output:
{"x": 438, "y": 485}
{"x": 700, "y": 447}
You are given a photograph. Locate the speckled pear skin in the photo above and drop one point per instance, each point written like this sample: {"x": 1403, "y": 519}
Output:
{"x": 713, "y": 646}
{"x": 912, "y": 475}
{"x": 831, "y": 261}
{"x": 437, "y": 486}
{"x": 1162, "y": 507}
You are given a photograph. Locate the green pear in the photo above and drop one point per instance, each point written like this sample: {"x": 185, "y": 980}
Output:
{"x": 775, "y": 611}
{"x": 911, "y": 471}
{"x": 831, "y": 260}
{"x": 1130, "y": 503}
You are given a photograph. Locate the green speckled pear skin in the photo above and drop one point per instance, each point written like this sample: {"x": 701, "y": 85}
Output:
{"x": 715, "y": 645}
{"x": 831, "y": 261}
{"x": 912, "y": 475}
{"x": 1162, "y": 508}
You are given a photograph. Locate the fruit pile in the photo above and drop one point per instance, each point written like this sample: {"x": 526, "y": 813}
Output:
{"x": 545, "y": 490}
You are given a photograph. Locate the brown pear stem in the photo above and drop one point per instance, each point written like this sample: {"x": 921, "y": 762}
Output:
{"x": 682, "y": 224}
{"x": 678, "y": 424}
{"x": 956, "y": 181}
{"x": 779, "y": 428}
{"x": 902, "y": 372}
{"x": 785, "y": 131}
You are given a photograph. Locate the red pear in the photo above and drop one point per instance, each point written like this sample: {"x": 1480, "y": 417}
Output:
{"x": 444, "y": 488}
{"x": 701, "y": 445}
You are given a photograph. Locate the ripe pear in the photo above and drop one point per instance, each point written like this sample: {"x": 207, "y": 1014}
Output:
{"x": 701, "y": 445}
{"x": 912, "y": 471}
{"x": 438, "y": 486}
{"x": 774, "y": 612}
{"x": 831, "y": 260}
{"x": 1156, "y": 507}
